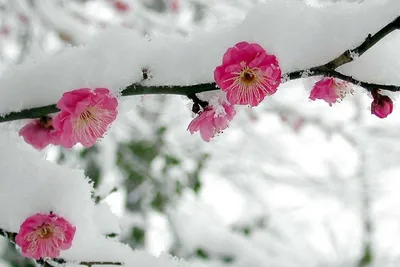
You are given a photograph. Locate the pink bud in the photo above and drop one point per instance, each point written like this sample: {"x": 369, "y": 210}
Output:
{"x": 121, "y": 6}
{"x": 382, "y": 105}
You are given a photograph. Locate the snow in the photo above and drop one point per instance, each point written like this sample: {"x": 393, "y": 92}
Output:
{"x": 109, "y": 226}
{"x": 66, "y": 192}
{"x": 301, "y": 36}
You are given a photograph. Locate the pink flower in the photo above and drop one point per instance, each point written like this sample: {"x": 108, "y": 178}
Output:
{"x": 85, "y": 116}
{"x": 248, "y": 74}
{"x": 44, "y": 235}
{"x": 40, "y": 133}
{"x": 382, "y": 105}
{"x": 212, "y": 121}
{"x": 330, "y": 90}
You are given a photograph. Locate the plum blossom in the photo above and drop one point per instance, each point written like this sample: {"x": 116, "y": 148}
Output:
{"x": 382, "y": 105}
{"x": 85, "y": 116}
{"x": 40, "y": 133}
{"x": 44, "y": 235}
{"x": 212, "y": 121}
{"x": 248, "y": 74}
{"x": 330, "y": 90}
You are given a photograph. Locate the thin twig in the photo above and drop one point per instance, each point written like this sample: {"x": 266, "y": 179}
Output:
{"x": 89, "y": 263}
{"x": 44, "y": 263}
{"x": 366, "y": 85}
{"x": 370, "y": 41}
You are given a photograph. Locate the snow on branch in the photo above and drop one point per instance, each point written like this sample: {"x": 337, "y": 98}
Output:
{"x": 116, "y": 58}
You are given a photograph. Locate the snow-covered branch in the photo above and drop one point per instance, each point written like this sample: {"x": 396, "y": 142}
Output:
{"x": 328, "y": 69}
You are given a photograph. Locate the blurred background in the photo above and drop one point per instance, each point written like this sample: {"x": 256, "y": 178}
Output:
{"x": 290, "y": 183}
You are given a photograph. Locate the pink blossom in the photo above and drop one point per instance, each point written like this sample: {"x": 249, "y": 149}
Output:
{"x": 40, "y": 133}
{"x": 382, "y": 105}
{"x": 248, "y": 74}
{"x": 44, "y": 235}
{"x": 330, "y": 90}
{"x": 85, "y": 116}
{"x": 212, "y": 121}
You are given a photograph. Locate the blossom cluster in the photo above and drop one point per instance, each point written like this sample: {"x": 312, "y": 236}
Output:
{"x": 84, "y": 117}
{"x": 248, "y": 74}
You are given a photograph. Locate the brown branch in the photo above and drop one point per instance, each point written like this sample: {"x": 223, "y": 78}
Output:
{"x": 370, "y": 41}
{"x": 366, "y": 85}
{"x": 327, "y": 69}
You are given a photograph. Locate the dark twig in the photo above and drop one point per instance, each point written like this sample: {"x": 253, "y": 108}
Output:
{"x": 370, "y": 41}
{"x": 198, "y": 104}
{"x": 327, "y": 69}
{"x": 366, "y": 85}
{"x": 89, "y": 263}
{"x": 44, "y": 263}
{"x": 9, "y": 235}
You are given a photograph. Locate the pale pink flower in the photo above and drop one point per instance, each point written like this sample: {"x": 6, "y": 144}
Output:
{"x": 330, "y": 90}
{"x": 85, "y": 116}
{"x": 382, "y": 105}
{"x": 212, "y": 121}
{"x": 44, "y": 235}
{"x": 40, "y": 133}
{"x": 248, "y": 74}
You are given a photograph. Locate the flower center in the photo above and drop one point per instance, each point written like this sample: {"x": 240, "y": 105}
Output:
{"x": 85, "y": 118}
{"x": 45, "y": 231}
{"x": 247, "y": 75}
{"x": 92, "y": 123}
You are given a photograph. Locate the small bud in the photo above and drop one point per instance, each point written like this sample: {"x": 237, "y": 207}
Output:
{"x": 121, "y": 6}
{"x": 382, "y": 105}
